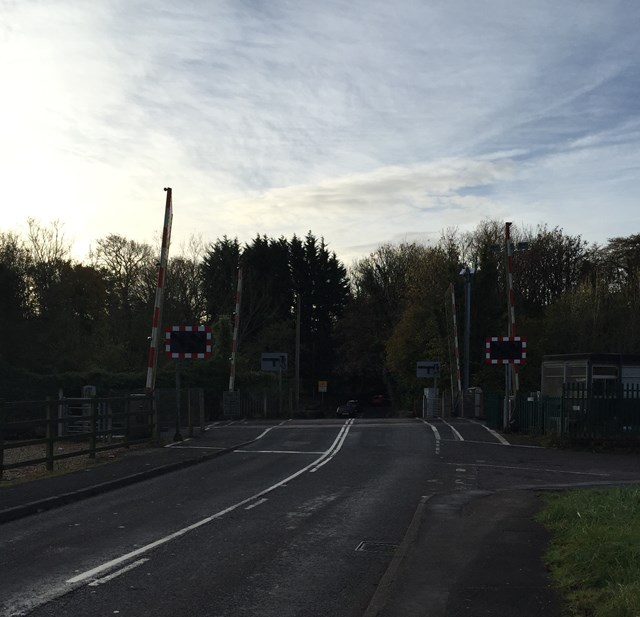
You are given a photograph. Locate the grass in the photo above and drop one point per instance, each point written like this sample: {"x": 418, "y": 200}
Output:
{"x": 594, "y": 555}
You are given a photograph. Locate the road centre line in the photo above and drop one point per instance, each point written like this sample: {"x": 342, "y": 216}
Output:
{"x": 435, "y": 433}
{"x": 109, "y": 565}
{"x": 342, "y": 436}
{"x": 573, "y": 473}
{"x": 434, "y": 429}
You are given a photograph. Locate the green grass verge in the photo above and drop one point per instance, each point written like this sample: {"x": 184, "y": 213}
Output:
{"x": 594, "y": 555}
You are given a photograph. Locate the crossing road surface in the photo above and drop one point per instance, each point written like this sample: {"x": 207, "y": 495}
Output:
{"x": 302, "y": 521}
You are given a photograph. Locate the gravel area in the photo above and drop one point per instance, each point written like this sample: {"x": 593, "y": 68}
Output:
{"x": 82, "y": 461}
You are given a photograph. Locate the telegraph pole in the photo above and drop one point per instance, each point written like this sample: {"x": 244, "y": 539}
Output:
{"x": 298, "y": 314}
{"x": 236, "y": 327}
{"x": 467, "y": 273}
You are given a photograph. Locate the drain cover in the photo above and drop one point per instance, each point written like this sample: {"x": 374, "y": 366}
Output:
{"x": 376, "y": 547}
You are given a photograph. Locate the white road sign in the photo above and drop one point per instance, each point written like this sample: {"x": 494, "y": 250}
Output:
{"x": 275, "y": 361}
{"x": 428, "y": 368}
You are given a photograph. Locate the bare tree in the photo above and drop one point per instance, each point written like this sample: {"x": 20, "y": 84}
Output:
{"x": 47, "y": 244}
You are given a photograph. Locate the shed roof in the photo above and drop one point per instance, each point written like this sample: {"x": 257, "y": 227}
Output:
{"x": 610, "y": 358}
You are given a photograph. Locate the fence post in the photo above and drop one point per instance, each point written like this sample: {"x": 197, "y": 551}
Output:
{"x": 106, "y": 418}
{"x": 189, "y": 416}
{"x": 3, "y": 420}
{"x": 51, "y": 418}
{"x": 127, "y": 419}
{"x": 562, "y": 403}
{"x": 154, "y": 415}
{"x": 201, "y": 408}
{"x": 92, "y": 426}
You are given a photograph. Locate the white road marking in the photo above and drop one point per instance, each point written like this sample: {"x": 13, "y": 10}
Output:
{"x": 404, "y": 424}
{"x": 177, "y": 444}
{"x": 256, "y": 504}
{"x": 435, "y": 433}
{"x": 497, "y": 435}
{"x": 342, "y": 435}
{"x": 261, "y": 435}
{"x": 109, "y": 565}
{"x": 455, "y": 432}
{"x": 196, "y": 447}
{"x": 110, "y": 577}
{"x": 494, "y": 443}
{"x": 574, "y": 473}
{"x": 279, "y": 451}
{"x": 434, "y": 429}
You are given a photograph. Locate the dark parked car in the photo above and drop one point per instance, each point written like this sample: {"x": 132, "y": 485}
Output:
{"x": 349, "y": 409}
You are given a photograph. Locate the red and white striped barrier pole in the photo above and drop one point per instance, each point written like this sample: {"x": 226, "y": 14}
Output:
{"x": 157, "y": 309}
{"x": 236, "y": 326}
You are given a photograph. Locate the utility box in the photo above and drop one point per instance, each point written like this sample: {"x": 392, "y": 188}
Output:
{"x": 431, "y": 403}
{"x": 473, "y": 403}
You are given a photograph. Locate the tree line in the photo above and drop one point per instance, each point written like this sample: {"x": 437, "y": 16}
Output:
{"x": 362, "y": 328}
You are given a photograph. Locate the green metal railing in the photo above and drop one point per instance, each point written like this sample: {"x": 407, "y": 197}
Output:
{"x": 580, "y": 413}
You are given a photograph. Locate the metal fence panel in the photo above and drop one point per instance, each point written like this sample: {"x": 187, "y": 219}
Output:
{"x": 579, "y": 414}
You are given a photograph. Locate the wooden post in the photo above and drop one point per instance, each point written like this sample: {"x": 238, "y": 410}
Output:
{"x": 3, "y": 420}
{"x": 189, "y": 417}
{"x": 92, "y": 427}
{"x": 562, "y": 404}
{"x": 50, "y": 433}
{"x": 127, "y": 419}
{"x": 201, "y": 406}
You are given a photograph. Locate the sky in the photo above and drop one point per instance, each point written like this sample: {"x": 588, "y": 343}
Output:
{"x": 363, "y": 121}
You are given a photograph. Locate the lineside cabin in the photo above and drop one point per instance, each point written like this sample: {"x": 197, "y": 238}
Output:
{"x": 603, "y": 375}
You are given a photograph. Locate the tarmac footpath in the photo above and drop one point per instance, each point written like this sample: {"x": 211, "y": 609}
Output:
{"x": 470, "y": 554}
{"x": 31, "y": 497}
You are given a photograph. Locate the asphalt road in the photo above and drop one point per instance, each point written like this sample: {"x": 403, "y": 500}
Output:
{"x": 271, "y": 529}
{"x": 304, "y": 521}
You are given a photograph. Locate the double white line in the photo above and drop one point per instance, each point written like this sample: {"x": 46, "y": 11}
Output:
{"x": 335, "y": 448}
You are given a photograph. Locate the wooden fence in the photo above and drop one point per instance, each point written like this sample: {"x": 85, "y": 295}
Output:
{"x": 98, "y": 423}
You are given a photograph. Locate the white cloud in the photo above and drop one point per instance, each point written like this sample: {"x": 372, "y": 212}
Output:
{"x": 364, "y": 121}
